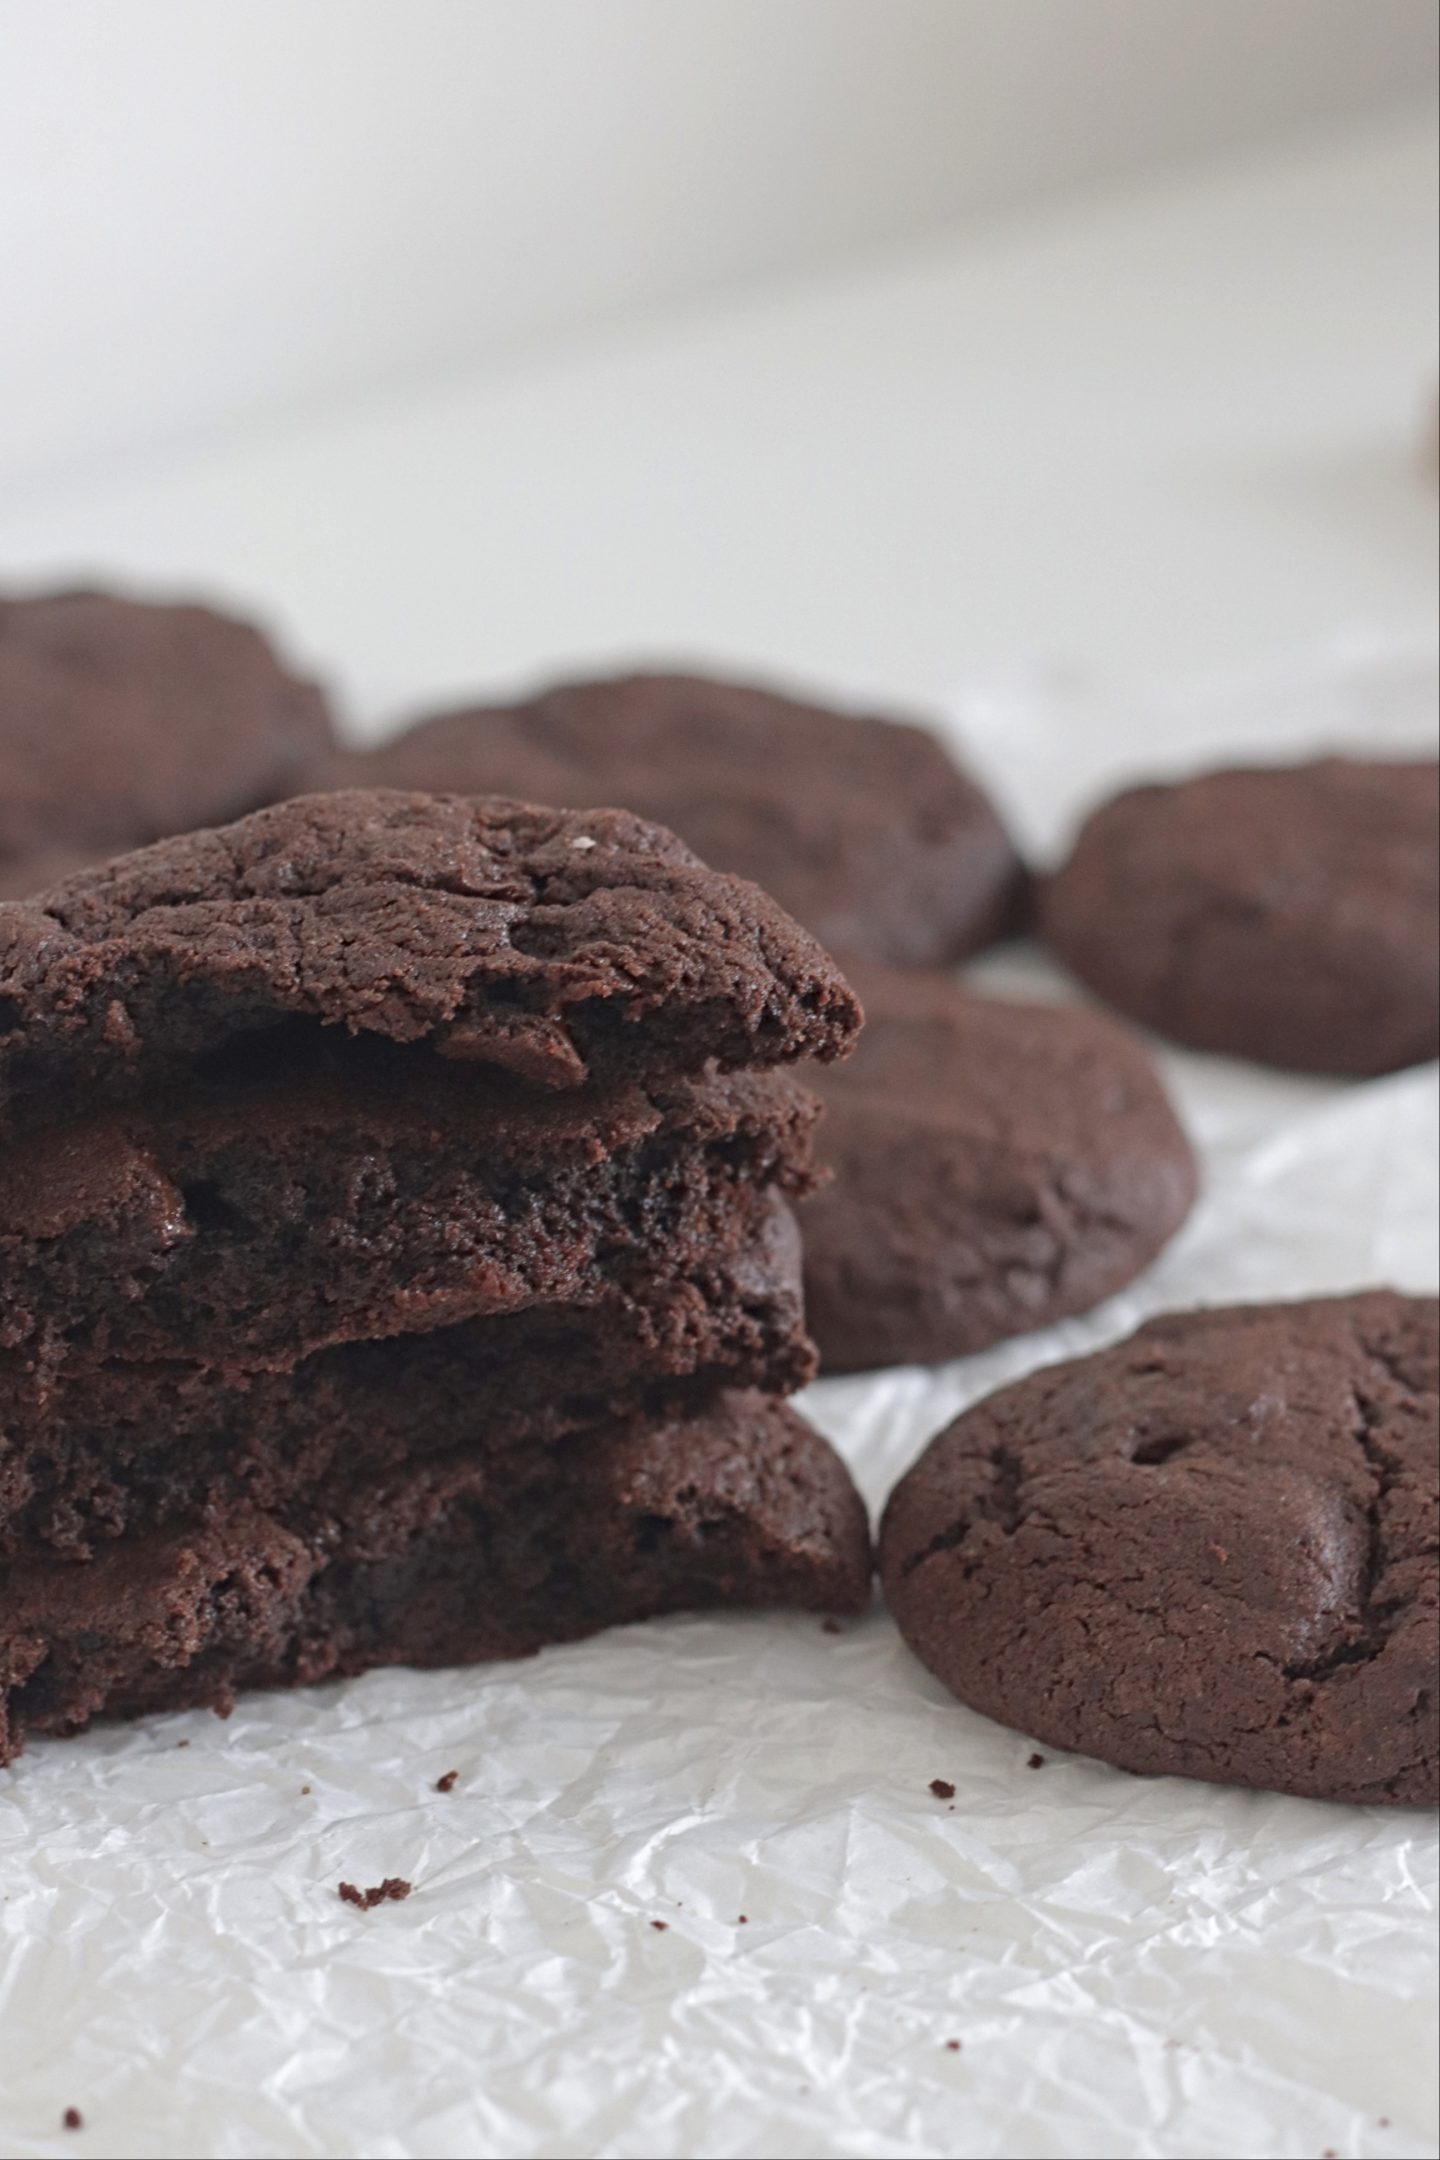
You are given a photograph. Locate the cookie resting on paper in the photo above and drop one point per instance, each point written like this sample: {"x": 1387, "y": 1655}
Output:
{"x": 1208, "y": 1551}
{"x": 490, "y": 1551}
{"x": 997, "y": 1167}
{"x": 1290, "y": 914}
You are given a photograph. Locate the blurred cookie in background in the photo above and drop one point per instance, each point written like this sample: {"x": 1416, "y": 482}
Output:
{"x": 124, "y": 721}
{"x": 997, "y": 1167}
{"x": 1286, "y": 913}
{"x": 864, "y": 829}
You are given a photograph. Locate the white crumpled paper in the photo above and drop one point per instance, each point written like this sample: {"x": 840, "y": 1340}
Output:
{"x": 1129, "y": 1967}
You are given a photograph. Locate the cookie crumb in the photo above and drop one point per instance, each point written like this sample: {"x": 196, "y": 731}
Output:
{"x": 661, "y": 1927}
{"x": 830, "y": 1625}
{"x": 942, "y": 1788}
{"x": 394, "y": 1888}
{"x": 952, "y": 2047}
{"x": 72, "y": 2119}
{"x": 1034, "y": 1762}
{"x": 447, "y": 1783}
{"x": 182, "y": 1743}
{"x": 744, "y": 1920}
{"x": 304, "y": 1789}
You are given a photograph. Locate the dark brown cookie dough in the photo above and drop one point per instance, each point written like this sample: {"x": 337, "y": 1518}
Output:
{"x": 1209, "y": 1551}
{"x": 997, "y": 1166}
{"x": 124, "y": 720}
{"x": 91, "y": 1452}
{"x": 1286, "y": 914}
{"x": 246, "y": 1230}
{"x": 864, "y": 829}
{"x": 556, "y": 945}
{"x": 487, "y": 1552}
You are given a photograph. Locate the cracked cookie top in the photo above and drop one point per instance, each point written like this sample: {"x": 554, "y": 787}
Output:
{"x": 863, "y": 828}
{"x": 1210, "y": 1550}
{"x": 556, "y": 945}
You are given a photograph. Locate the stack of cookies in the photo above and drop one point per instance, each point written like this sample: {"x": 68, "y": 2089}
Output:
{"x": 395, "y": 1257}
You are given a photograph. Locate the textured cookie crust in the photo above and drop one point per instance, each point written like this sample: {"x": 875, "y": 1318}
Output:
{"x": 485, "y": 1553}
{"x": 556, "y": 945}
{"x": 246, "y": 1230}
{"x": 124, "y": 720}
{"x": 997, "y": 1167}
{"x": 862, "y": 828}
{"x": 1288, "y": 915}
{"x": 89, "y": 1454}
{"x": 1209, "y": 1551}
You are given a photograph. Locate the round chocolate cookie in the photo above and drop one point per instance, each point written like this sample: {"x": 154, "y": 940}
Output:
{"x": 1287, "y": 914}
{"x": 997, "y": 1166}
{"x": 1209, "y": 1551}
{"x": 122, "y": 721}
{"x": 862, "y": 828}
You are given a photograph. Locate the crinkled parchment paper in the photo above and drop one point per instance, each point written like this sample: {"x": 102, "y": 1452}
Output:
{"x": 1129, "y": 1967}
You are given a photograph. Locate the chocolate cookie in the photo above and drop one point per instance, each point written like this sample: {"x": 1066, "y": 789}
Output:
{"x": 1286, "y": 914}
{"x": 1208, "y": 1551}
{"x": 248, "y": 1228}
{"x": 556, "y": 945}
{"x": 997, "y": 1166}
{"x": 95, "y": 1451}
{"x": 863, "y": 829}
{"x": 488, "y": 1551}
{"x": 124, "y": 720}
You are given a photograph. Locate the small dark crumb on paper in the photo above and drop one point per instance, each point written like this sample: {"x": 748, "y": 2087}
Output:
{"x": 660, "y": 1926}
{"x": 1383, "y": 2123}
{"x": 304, "y": 1789}
{"x": 1034, "y": 1762}
{"x": 448, "y": 1782}
{"x": 744, "y": 1920}
{"x": 391, "y": 1891}
{"x": 942, "y": 1788}
{"x": 72, "y": 2118}
{"x": 178, "y": 1743}
{"x": 830, "y": 1625}
{"x": 952, "y": 2047}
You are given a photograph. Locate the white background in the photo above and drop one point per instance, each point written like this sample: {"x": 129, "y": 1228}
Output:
{"x": 1176, "y": 430}
{"x": 211, "y": 213}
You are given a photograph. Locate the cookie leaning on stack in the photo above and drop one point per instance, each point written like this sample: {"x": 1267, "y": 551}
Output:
{"x": 394, "y": 1257}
